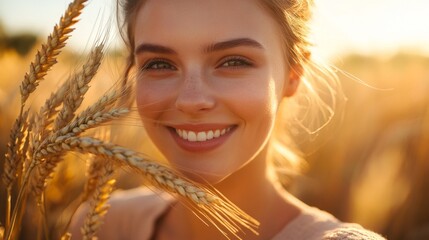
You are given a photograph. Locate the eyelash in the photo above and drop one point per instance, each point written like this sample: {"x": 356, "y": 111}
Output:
{"x": 228, "y": 62}
{"x": 238, "y": 62}
{"x": 153, "y": 63}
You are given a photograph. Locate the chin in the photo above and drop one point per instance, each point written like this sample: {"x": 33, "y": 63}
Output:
{"x": 204, "y": 178}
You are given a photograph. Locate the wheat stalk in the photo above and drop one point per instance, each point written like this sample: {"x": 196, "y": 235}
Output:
{"x": 217, "y": 210}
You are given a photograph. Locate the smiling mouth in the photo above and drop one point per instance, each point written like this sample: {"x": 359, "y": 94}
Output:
{"x": 202, "y": 136}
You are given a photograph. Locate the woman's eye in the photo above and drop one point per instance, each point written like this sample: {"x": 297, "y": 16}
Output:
{"x": 236, "y": 62}
{"x": 158, "y": 65}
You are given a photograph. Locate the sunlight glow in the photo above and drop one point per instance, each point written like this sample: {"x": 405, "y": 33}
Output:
{"x": 364, "y": 26}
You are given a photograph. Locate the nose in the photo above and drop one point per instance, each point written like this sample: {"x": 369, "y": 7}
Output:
{"x": 194, "y": 95}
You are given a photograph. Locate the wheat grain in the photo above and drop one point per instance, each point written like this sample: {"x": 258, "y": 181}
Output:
{"x": 43, "y": 119}
{"x": 66, "y": 236}
{"x": 98, "y": 210}
{"x": 95, "y": 172}
{"x": 42, "y": 173}
{"x": 78, "y": 87}
{"x": 14, "y": 155}
{"x": 214, "y": 208}
{"x": 49, "y": 143}
{"x": 71, "y": 94}
{"x": 44, "y": 60}
{"x": 96, "y": 111}
{"x": 1, "y": 232}
{"x": 48, "y": 158}
{"x": 95, "y": 115}
{"x": 84, "y": 122}
{"x": 98, "y": 206}
{"x": 49, "y": 109}
{"x": 46, "y": 57}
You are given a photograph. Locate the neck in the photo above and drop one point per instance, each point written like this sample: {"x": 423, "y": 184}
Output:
{"x": 252, "y": 191}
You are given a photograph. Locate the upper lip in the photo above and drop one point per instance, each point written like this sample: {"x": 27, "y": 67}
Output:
{"x": 201, "y": 127}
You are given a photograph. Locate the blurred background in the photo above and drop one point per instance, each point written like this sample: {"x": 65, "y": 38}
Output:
{"x": 374, "y": 167}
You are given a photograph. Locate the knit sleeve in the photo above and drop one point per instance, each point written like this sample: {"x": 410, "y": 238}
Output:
{"x": 132, "y": 215}
{"x": 352, "y": 233}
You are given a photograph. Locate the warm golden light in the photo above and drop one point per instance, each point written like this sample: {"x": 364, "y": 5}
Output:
{"x": 364, "y": 26}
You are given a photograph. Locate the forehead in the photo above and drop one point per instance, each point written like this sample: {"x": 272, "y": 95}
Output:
{"x": 203, "y": 19}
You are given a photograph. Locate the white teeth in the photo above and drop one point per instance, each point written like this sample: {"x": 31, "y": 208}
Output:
{"x": 192, "y": 137}
{"x": 216, "y": 133}
{"x": 210, "y": 135}
{"x": 201, "y": 136}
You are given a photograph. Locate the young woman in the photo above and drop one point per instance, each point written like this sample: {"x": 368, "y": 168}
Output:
{"x": 212, "y": 77}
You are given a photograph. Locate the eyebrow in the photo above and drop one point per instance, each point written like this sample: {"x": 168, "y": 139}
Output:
{"x": 237, "y": 42}
{"x": 233, "y": 43}
{"x": 146, "y": 47}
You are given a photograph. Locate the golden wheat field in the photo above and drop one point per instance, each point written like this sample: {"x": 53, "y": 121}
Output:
{"x": 372, "y": 167}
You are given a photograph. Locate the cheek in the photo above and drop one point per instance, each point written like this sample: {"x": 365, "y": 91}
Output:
{"x": 143, "y": 100}
{"x": 255, "y": 104}
{"x": 255, "y": 99}
{"x": 152, "y": 99}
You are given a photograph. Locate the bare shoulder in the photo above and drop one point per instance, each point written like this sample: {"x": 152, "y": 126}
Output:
{"x": 352, "y": 233}
{"x": 131, "y": 211}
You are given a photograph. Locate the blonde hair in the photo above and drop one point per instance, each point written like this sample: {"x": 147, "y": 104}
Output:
{"x": 312, "y": 107}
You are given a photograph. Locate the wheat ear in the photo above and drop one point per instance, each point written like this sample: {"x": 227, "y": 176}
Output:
{"x": 98, "y": 205}
{"x": 15, "y": 149}
{"x": 217, "y": 210}
{"x": 14, "y": 158}
{"x": 43, "y": 119}
{"x": 98, "y": 113}
{"x": 77, "y": 84}
{"x": 1, "y": 232}
{"x": 48, "y": 158}
{"x": 66, "y": 236}
{"x": 46, "y": 57}
{"x": 95, "y": 172}
{"x": 92, "y": 116}
{"x": 44, "y": 60}
{"x": 79, "y": 87}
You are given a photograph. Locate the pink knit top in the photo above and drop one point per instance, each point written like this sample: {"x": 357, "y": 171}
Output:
{"x": 133, "y": 215}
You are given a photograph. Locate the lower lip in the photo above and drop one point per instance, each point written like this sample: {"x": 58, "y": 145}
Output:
{"x": 200, "y": 146}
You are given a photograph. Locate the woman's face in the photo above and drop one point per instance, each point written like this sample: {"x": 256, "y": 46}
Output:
{"x": 210, "y": 77}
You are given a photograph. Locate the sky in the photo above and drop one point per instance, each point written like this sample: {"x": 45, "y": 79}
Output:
{"x": 339, "y": 26}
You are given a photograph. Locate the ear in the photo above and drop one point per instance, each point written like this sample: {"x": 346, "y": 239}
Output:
{"x": 292, "y": 81}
